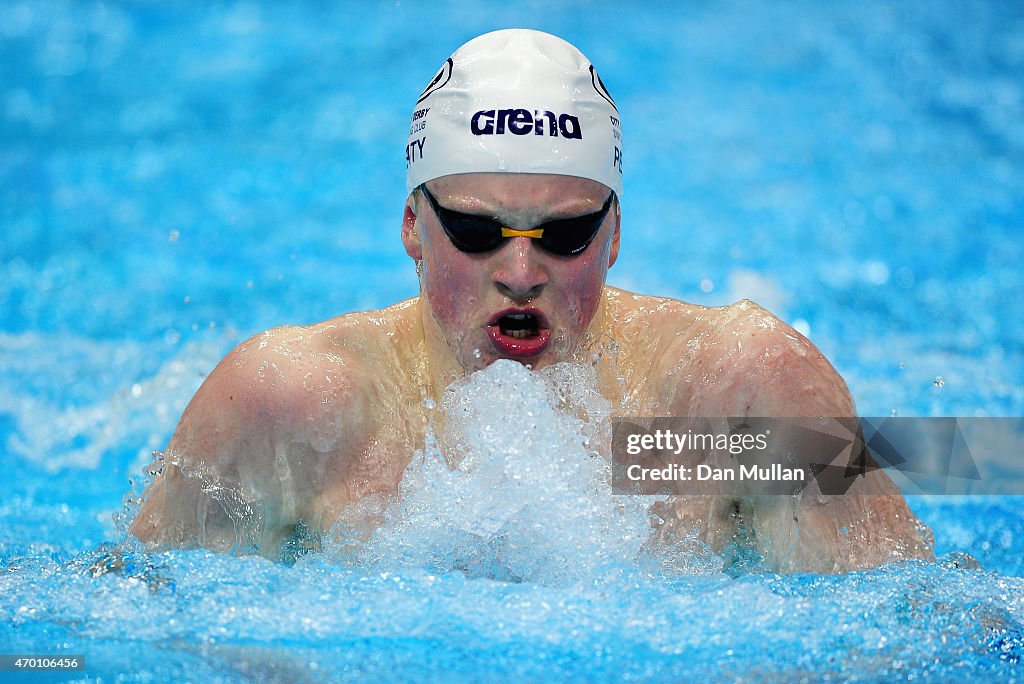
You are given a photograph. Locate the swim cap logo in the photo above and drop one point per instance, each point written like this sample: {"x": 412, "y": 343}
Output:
{"x": 522, "y": 122}
{"x": 599, "y": 87}
{"x": 439, "y": 81}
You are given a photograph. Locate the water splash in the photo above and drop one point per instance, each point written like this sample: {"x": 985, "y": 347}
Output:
{"x": 513, "y": 485}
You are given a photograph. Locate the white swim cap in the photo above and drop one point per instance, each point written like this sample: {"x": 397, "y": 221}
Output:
{"x": 515, "y": 101}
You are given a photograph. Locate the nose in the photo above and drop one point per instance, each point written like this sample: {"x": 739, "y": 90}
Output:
{"x": 519, "y": 274}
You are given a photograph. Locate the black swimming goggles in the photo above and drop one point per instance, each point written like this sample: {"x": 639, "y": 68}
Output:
{"x": 477, "y": 234}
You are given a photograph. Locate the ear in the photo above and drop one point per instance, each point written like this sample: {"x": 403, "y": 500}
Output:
{"x": 410, "y": 233}
{"x": 613, "y": 254}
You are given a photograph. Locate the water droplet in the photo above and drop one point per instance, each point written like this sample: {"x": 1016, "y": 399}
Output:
{"x": 939, "y": 381}
{"x": 854, "y": 213}
{"x": 876, "y": 272}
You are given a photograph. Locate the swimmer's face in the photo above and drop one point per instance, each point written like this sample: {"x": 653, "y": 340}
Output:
{"x": 517, "y": 301}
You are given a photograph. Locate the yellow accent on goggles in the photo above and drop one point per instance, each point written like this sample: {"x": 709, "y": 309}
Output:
{"x": 513, "y": 232}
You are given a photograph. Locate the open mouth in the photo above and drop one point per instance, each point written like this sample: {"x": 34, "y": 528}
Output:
{"x": 519, "y": 325}
{"x": 519, "y": 333}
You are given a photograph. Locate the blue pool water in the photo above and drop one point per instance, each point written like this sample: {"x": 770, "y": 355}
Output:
{"x": 175, "y": 177}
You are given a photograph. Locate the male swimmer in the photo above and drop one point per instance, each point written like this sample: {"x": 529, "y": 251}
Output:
{"x": 513, "y": 219}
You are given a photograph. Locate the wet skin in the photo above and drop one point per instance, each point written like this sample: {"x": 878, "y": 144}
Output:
{"x": 465, "y": 296}
{"x": 300, "y": 422}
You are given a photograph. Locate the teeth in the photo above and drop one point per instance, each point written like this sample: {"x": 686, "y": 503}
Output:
{"x": 519, "y": 325}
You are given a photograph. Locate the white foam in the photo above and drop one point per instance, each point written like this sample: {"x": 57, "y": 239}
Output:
{"x": 516, "y": 485}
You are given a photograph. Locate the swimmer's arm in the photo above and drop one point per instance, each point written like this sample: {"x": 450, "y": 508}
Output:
{"x": 257, "y": 447}
{"x": 771, "y": 370}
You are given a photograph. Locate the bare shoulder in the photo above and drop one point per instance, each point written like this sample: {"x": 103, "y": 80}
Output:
{"x": 273, "y": 430}
{"x": 741, "y": 360}
{"x": 744, "y": 360}
{"x": 291, "y": 376}
{"x": 738, "y": 359}
{"x": 275, "y": 379}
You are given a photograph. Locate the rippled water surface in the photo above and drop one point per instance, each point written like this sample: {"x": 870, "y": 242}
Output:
{"x": 175, "y": 177}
